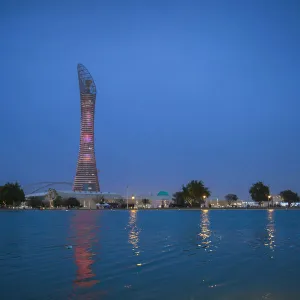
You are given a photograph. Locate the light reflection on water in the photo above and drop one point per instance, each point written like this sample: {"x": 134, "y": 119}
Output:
{"x": 134, "y": 231}
{"x": 270, "y": 230}
{"x": 35, "y": 255}
{"x": 205, "y": 233}
{"x": 133, "y": 235}
{"x": 83, "y": 225}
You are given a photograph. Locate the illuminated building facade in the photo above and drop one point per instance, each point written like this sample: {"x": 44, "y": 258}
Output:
{"x": 86, "y": 178}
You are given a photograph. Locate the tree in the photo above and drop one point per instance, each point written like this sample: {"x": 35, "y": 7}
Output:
{"x": 12, "y": 194}
{"x": 1, "y": 200}
{"x": 46, "y": 203}
{"x": 178, "y": 199}
{"x": 195, "y": 192}
{"x": 145, "y": 201}
{"x": 231, "y": 198}
{"x": 35, "y": 202}
{"x": 72, "y": 202}
{"x": 259, "y": 192}
{"x": 50, "y": 197}
{"x": 289, "y": 196}
{"x": 57, "y": 202}
{"x": 120, "y": 201}
{"x": 186, "y": 195}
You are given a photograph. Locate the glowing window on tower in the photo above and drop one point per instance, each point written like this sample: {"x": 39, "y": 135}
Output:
{"x": 88, "y": 119}
{"x": 87, "y": 138}
{"x": 86, "y": 156}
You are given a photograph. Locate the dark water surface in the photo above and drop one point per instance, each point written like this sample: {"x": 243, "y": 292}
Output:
{"x": 150, "y": 255}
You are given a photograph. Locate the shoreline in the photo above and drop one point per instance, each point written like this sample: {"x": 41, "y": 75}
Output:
{"x": 149, "y": 209}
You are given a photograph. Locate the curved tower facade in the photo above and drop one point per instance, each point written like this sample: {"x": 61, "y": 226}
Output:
{"x": 86, "y": 178}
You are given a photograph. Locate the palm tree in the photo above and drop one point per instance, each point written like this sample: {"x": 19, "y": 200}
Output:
{"x": 195, "y": 192}
{"x": 178, "y": 199}
{"x": 186, "y": 195}
{"x": 145, "y": 202}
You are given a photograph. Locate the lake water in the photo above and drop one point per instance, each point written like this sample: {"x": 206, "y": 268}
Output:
{"x": 150, "y": 255}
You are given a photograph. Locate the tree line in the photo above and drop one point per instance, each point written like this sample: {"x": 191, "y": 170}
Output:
{"x": 12, "y": 195}
{"x": 195, "y": 193}
{"x": 37, "y": 202}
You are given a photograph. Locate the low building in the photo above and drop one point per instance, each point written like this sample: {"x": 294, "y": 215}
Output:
{"x": 275, "y": 200}
{"x": 86, "y": 199}
{"x": 223, "y": 203}
{"x": 160, "y": 200}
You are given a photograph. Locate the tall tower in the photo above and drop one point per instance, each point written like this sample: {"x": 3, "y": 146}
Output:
{"x": 86, "y": 178}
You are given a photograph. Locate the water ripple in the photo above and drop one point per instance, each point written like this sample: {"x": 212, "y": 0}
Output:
{"x": 150, "y": 255}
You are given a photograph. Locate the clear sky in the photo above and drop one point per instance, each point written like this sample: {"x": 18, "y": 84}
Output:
{"x": 205, "y": 90}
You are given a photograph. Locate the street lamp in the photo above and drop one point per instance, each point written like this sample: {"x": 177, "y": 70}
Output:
{"x": 127, "y": 196}
{"x": 132, "y": 198}
{"x": 269, "y": 197}
{"x": 204, "y": 197}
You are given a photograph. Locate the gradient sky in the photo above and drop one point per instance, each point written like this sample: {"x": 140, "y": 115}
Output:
{"x": 204, "y": 90}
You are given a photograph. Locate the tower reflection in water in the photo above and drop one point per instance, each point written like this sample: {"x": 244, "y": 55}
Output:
{"x": 133, "y": 235}
{"x": 270, "y": 242}
{"x": 205, "y": 233}
{"x": 84, "y": 226}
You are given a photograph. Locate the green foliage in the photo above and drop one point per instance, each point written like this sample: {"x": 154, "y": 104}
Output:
{"x": 120, "y": 201}
{"x": 12, "y": 194}
{"x": 72, "y": 202}
{"x": 35, "y": 202}
{"x": 145, "y": 202}
{"x": 178, "y": 199}
{"x": 259, "y": 192}
{"x": 195, "y": 192}
{"x": 58, "y": 201}
{"x": 46, "y": 203}
{"x": 231, "y": 198}
{"x": 289, "y": 196}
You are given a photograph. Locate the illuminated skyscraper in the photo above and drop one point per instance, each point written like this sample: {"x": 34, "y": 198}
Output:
{"x": 86, "y": 178}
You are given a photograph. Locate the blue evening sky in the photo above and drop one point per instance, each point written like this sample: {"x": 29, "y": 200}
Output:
{"x": 187, "y": 90}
